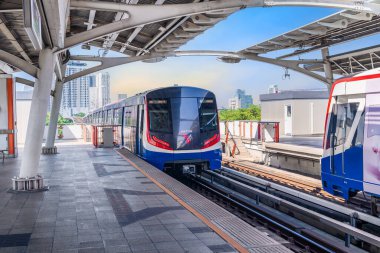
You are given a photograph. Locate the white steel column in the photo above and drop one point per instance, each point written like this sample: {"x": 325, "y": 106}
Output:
{"x": 327, "y": 67}
{"x": 54, "y": 114}
{"x": 38, "y": 111}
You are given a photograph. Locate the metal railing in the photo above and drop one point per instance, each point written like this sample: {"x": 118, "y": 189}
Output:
{"x": 260, "y": 131}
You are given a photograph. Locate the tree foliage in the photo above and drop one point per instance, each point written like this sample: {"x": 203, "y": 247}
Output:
{"x": 61, "y": 120}
{"x": 251, "y": 113}
{"x": 81, "y": 114}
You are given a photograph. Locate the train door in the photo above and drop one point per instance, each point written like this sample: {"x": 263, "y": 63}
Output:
{"x": 139, "y": 130}
{"x": 344, "y": 138}
{"x": 371, "y": 165}
{"x": 288, "y": 120}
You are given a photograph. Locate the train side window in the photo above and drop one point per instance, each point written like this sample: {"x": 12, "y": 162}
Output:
{"x": 159, "y": 116}
{"x": 341, "y": 121}
{"x": 340, "y": 135}
{"x": 359, "y": 133}
{"x": 351, "y": 111}
{"x": 208, "y": 115}
{"x": 332, "y": 127}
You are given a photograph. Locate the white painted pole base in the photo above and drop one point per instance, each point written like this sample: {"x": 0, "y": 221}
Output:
{"x": 28, "y": 184}
{"x": 49, "y": 151}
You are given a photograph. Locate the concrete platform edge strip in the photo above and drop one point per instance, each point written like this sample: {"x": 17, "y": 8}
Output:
{"x": 211, "y": 225}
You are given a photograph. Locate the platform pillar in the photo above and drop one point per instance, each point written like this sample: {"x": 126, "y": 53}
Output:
{"x": 327, "y": 67}
{"x": 29, "y": 178}
{"x": 54, "y": 114}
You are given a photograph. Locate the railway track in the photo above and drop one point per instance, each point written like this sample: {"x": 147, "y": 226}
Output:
{"x": 292, "y": 222}
{"x": 359, "y": 202}
{"x": 294, "y": 182}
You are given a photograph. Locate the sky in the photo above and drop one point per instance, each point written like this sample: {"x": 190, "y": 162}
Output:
{"x": 240, "y": 30}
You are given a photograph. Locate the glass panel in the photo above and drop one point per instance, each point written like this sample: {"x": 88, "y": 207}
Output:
{"x": 159, "y": 116}
{"x": 208, "y": 116}
{"x": 340, "y": 125}
{"x": 352, "y": 109}
{"x": 359, "y": 134}
{"x": 344, "y": 119}
{"x": 186, "y": 123}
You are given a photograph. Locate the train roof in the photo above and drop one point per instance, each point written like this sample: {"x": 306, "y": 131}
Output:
{"x": 183, "y": 91}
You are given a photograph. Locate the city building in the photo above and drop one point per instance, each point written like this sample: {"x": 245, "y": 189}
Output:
{"x": 299, "y": 112}
{"x": 99, "y": 90}
{"x": 121, "y": 96}
{"x": 86, "y": 93}
{"x": 104, "y": 88}
{"x": 75, "y": 97}
{"x": 234, "y": 103}
{"x": 240, "y": 100}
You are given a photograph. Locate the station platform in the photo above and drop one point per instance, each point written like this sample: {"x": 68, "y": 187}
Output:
{"x": 104, "y": 200}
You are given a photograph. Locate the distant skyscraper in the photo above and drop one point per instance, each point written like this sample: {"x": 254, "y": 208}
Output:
{"x": 241, "y": 100}
{"x": 105, "y": 94}
{"x": 76, "y": 92}
{"x": 99, "y": 91}
{"x": 121, "y": 96}
{"x": 234, "y": 103}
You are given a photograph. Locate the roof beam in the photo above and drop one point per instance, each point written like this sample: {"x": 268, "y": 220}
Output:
{"x": 362, "y": 16}
{"x": 137, "y": 31}
{"x": 116, "y": 61}
{"x": 5, "y": 68}
{"x": 18, "y": 63}
{"x": 146, "y": 14}
{"x": 25, "y": 81}
{"x": 12, "y": 38}
{"x": 56, "y": 13}
{"x": 91, "y": 17}
{"x": 110, "y": 40}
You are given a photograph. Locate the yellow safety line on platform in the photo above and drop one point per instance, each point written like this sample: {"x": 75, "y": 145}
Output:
{"x": 211, "y": 225}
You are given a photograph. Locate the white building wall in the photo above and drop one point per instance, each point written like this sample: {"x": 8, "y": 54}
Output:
{"x": 305, "y": 121}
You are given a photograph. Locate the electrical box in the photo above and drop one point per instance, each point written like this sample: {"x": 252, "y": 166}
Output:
{"x": 108, "y": 141}
{"x": 8, "y": 140}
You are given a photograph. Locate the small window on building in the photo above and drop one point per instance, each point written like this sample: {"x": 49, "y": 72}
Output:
{"x": 289, "y": 111}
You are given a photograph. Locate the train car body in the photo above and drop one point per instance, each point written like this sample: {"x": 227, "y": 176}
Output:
{"x": 175, "y": 129}
{"x": 351, "y": 155}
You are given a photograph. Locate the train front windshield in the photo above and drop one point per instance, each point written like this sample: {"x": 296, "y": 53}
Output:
{"x": 191, "y": 122}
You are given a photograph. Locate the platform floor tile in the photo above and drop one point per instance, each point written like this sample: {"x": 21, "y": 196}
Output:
{"x": 97, "y": 202}
{"x": 243, "y": 233}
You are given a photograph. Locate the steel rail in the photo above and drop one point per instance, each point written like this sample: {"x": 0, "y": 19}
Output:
{"x": 292, "y": 232}
{"x": 344, "y": 228}
{"x": 307, "y": 197}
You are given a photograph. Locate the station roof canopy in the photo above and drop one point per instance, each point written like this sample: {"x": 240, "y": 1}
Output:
{"x": 336, "y": 28}
{"x": 353, "y": 62}
{"x": 164, "y": 36}
{"x": 157, "y": 37}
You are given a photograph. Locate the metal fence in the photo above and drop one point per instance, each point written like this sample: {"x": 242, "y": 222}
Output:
{"x": 261, "y": 131}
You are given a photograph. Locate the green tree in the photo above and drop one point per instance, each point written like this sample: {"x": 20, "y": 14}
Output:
{"x": 251, "y": 113}
{"x": 61, "y": 120}
{"x": 81, "y": 114}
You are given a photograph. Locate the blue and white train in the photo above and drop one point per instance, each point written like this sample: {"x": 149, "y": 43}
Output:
{"x": 351, "y": 157}
{"x": 176, "y": 129}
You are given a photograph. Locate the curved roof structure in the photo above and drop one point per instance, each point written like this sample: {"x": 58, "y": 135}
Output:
{"x": 336, "y": 28}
